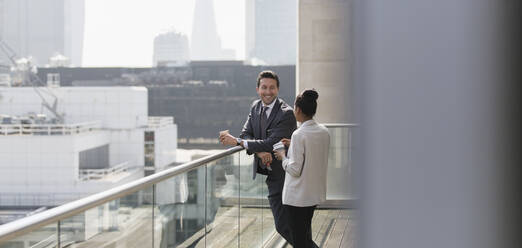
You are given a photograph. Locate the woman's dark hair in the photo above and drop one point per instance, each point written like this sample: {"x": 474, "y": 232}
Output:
{"x": 307, "y": 102}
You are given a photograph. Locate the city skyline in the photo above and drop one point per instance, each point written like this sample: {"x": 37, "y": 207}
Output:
{"x": 132, "y": 44}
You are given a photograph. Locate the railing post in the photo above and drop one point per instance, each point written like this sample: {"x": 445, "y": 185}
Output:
{"x": 153, "y": 206}
{"x": 206, "y": 196}
{"x": 262, "y": 212}
{"x": 239, "y": 201}
{"x": 58, "y": 234}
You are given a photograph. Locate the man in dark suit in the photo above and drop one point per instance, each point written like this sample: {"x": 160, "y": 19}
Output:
{"x": 270, "y": 120}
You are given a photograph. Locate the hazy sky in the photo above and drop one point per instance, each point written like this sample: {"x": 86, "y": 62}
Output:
{"x": 121, "y": 32}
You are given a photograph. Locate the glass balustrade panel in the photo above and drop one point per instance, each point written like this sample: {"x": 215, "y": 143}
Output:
{"x": 124, "y": 222}
{"x": 180, "y": 210}
{"x": 253, "y": 205}
{"x": 222, "y": 203}
{"x": 339, "y": 183}
{"x": 46, "y": 236}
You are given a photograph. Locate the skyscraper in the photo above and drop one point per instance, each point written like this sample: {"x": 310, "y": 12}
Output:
{"x": 1, "y": 18}
{"x": 271, "y": 31}
{"x": 74, "y": 30}
{"x": 171, "y": 48}
{"x": 205, "y": 42}
{"x": 43, "y": 28}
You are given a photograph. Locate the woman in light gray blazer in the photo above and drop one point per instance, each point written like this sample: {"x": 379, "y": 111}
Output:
{"x": 305, "y": 168}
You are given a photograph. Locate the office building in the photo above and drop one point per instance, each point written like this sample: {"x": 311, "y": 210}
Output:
{"x": 171, "y": 49}
{"x": 205, "y": 41}
{"x": 271, "y": 32}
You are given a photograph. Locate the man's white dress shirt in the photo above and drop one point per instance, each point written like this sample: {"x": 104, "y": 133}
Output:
{"x": 267, "y": 112}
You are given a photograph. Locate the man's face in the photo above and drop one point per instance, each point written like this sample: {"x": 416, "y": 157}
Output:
{"x": 267, "y": 90}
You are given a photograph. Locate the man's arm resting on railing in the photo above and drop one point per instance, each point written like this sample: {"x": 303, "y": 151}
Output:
{"x": 282, "y": 129}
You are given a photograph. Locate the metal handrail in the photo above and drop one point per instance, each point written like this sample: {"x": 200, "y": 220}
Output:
{"x": 22, "y": 226}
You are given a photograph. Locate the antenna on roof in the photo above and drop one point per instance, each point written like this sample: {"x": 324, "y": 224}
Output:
{"x": 32, "y": 79}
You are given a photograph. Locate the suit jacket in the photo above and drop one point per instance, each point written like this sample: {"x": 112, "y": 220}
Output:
{"x": 306, "y": 166}
{"x": 281, "y": 124}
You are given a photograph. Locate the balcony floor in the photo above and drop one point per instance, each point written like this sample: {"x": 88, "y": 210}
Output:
{"x": 330, "y": 227}
{"x": 334, "y": 228}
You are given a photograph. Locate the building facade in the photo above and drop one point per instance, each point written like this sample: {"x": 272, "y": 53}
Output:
{"x": 205, "y": 42}
{"x": 271, "y": 32}
{"x": 104, "y": 141}
{"x": 171, "y": 49}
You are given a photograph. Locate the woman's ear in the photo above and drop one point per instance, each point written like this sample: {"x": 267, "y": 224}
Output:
{"x": 297, "y": 113}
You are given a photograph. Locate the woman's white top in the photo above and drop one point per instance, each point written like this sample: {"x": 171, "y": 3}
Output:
{"x": 305, "y": 166}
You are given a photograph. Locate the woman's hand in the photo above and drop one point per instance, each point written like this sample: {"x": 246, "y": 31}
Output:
{"x": 286, "y": 142}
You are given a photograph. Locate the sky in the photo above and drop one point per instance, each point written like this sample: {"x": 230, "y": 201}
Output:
{"x": 121, "y": 32}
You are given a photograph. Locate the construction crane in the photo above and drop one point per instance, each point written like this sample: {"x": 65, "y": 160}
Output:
{"x": 33, "y": 80}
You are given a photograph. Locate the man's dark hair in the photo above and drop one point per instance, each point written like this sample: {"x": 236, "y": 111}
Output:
{"x": 307, "y": 102}
{"x": 267, "y": 74}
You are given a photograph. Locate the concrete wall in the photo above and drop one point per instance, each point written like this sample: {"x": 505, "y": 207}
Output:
{"x": 323, "y": 60}
{"x": 32, "y": 163}
{"x": 127, "y": 146}
{"x": 165, "y": 145}
{"x": 44, "y": 169}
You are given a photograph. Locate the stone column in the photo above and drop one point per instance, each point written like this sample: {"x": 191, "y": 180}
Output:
{"x": 323, "y": 57}
{"x": 323, "y": 63}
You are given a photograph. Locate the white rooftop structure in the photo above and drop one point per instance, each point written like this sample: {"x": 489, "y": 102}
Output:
{"x": 107, "y": 139}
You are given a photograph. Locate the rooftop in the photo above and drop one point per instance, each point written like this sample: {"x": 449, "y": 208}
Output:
{"x": 49, "y": 129}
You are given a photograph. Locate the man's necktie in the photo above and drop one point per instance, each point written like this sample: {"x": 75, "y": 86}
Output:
{"x": 263, "y": 122}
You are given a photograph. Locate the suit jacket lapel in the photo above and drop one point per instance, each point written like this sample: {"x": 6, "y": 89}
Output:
{"x": 259, "y": 107}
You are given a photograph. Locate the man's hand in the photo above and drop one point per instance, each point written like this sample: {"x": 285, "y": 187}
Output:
{"x": 266, "y": 157}
{"x": 227, "y": 139}
{"x": 280, "y": 154}
{"x": 286, "y": 142}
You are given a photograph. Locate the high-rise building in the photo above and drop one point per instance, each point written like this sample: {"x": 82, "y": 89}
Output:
{"x": 205, "y": 42}
{"x": 271, "y": 32}
{"x": 171, "y": 49}
{"x": 4, "y": 62}
{"x": 74, "y": 30}
{"x": 43, "y": 28}
{"x": 1, "y": 21}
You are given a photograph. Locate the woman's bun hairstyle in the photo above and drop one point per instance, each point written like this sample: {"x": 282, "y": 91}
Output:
{"x": 307, "y": 102}
{"x": 310, "y": 95}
